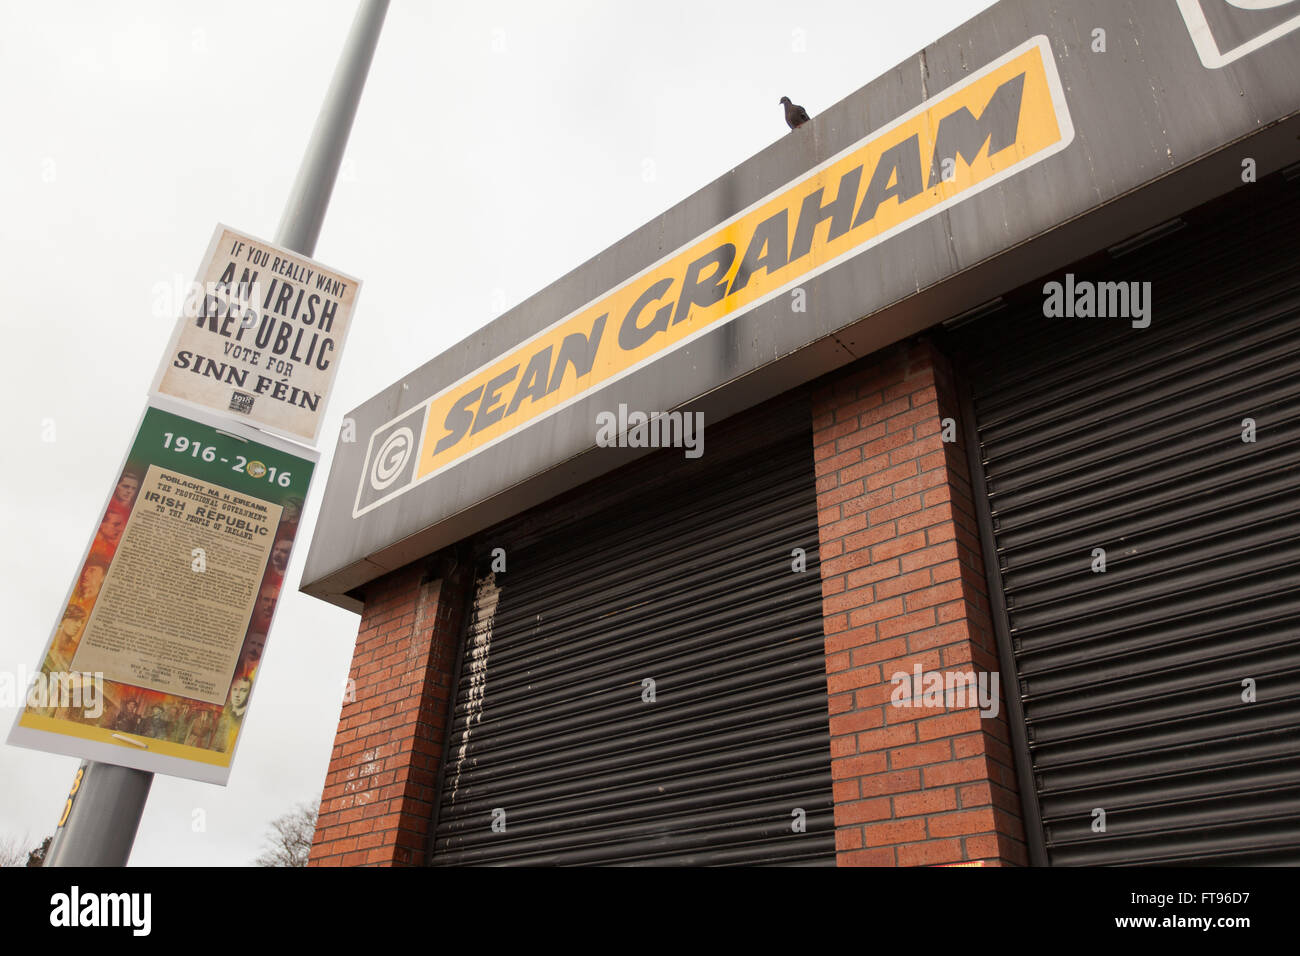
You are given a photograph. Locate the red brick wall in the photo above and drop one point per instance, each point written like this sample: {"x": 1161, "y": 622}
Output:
{"x": 903, "y": 583}
{"x": 379, "y": 790}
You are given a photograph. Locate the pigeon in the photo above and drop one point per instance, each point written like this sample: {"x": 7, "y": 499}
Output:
{"x": 795, "y": 116}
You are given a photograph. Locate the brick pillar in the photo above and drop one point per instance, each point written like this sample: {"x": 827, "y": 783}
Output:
{"x": 903, "y": 584}
{"x": 380, "y": 787}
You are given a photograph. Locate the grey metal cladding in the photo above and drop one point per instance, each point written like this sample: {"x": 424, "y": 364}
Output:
{"x": 1147, "y": 107}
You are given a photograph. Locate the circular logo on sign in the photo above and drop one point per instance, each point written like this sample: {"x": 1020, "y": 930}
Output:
{"x": 391, "y": 458}
{"x": 255, "y": 469}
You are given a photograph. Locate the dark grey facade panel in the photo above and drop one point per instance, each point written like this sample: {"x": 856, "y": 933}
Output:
{"x": 1153, "y": 117}
{"x": 1094, "y": 434}
{"x": 683, "y": 575}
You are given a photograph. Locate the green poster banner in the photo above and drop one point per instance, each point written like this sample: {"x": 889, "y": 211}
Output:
{"x": 154, "y": 657}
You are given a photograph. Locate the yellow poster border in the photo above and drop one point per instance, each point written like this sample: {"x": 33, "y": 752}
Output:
{"x": 115, "y": 738}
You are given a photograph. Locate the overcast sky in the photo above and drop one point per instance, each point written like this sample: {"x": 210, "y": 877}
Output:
{"x": 498, "y": 146}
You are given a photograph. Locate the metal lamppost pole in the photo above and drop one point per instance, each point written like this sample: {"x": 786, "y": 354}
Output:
{"x": 106, "y": 802}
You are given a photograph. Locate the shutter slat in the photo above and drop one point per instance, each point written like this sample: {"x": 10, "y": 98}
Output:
{"x": 688, "y": 582}
{"x": 1096, "y": 435}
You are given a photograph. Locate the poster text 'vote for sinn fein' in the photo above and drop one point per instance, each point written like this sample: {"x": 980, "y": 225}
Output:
{"x": 260, "y": 336}
{"x": 169, "y": 614}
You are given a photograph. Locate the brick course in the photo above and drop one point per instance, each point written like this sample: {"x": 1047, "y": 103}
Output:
{"x": 903, "y": 584}
{"x": 379, "y": 790}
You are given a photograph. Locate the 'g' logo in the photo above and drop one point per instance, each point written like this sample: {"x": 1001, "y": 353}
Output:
{"x": 1226, "y": 30}
{"x": 391, "y": 458}
{"x": 391, "y": 454}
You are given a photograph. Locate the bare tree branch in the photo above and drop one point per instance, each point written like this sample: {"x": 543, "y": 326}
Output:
{"x": 20, "y": 851}
{"x": 289, "y": 839}
{"x": 13, "y": 851}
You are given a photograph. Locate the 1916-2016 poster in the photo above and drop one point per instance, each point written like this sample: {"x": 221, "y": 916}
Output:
{"x": 153, "y": 661}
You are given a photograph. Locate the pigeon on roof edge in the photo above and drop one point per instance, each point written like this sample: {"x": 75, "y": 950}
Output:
{"x": 795, "y": 116}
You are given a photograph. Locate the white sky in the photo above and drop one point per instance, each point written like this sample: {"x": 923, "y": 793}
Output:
{"x": 498, "y": 146}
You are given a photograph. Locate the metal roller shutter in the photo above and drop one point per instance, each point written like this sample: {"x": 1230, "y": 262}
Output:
{"x": 682, "y": 576}
{"x": 1092, "y": 434}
